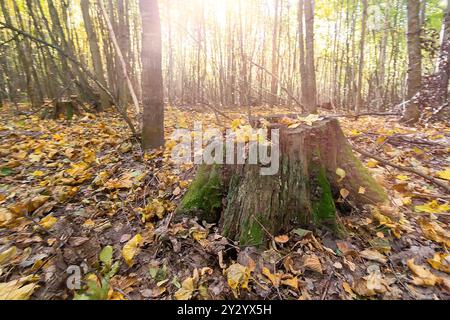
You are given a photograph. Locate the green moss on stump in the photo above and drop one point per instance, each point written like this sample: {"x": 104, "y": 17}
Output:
{"x": 252, "y": 234}
{"x": 323, "y": 205}
{"x": 204, "y": 197}
{"x": 324, "y": 209}
{"x": 362, "y": 178}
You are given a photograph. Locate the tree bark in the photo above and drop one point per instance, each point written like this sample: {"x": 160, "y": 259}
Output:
{"x": 359, "y": 99}
{"x": 412, "y": 112}
{"x": 444, "y": 59}
{"x": 310, "y": 90}
{"x": 304, "y": 192}
{"x": 152, "y": 81}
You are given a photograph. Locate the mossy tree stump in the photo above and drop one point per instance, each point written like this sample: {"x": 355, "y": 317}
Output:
{"x": 302, "y": 193}
{"x": 62, "y": 108}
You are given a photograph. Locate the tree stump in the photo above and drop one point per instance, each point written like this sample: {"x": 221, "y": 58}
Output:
{"x": 303, "y": 192}
{"x": 65, "y": 108}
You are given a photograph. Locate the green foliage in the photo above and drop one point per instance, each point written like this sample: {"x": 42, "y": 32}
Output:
{"x": 97, "y": 286}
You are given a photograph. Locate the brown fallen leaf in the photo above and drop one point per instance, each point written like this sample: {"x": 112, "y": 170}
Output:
{"x": 312, "y": 263}
{"x": 373, "y": 255}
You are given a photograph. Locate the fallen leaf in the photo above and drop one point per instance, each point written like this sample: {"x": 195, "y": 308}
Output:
{"x": 444, "y": 174}
{"x": 440, "y": 261}
{"x": 48, "y": 222}
{"x": 291, "y": 282}
{"x": 433, "y": 231}
{"x": 344, "y": 193}
{"x": 341, "y": 173}
{"x": 433, "y": 207}
{"x": 372, "y": 163}
{"x": 130, "y": 249}
{"x": 373, "y": 255}
{"x": 423, "y": 277}
{"x": 7, "y": 255}
{"x": 237, "y": 277}
{"x": 18, "y": 289}
{"x": 312, "y": 263}
{"x": 187, "y": 290}
{"x": 274, "y": 278}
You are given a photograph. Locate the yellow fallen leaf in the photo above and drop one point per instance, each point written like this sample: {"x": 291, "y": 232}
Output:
{"x": 341, "y": 173}
{"x": 7, "y": 255}
{"x": 309, "y": 120}
{"x": 274, "y": 278}
{"x": 236, "y": 123}
{"x": 433, "y": 207}
{"x": 423, "y": 277}
{"x": 199, "y": 235}
{"x": 291, "y": 282}
{"x": 237, "y": 277}
{"x": 347, "y": 288}
{"x": 396, "y": 229}
{"x": 6, "y": 217}
{"x": 48, "y": 222}
{"x": 444, "y": 174}
{"x": 184, "y": 184}
{"x": 372, "y": 163}
{"x": 131, "y": 248}
{"x": 77, "y": 169}
{"x": 153, "y": 209}
{"x": 187, "y": 290}
{"x": 18, "y": 289}
{"x": 433, "y": 231}
{"x": 362, "y": 190}
{"x": 344, "y": 193}
{"x": 441, "y": 262}
{"x": 28, "y": 206}
{"x": 375, "y": 282}
{"x": 38, "y": 173}
{"x": 361, "y": 288}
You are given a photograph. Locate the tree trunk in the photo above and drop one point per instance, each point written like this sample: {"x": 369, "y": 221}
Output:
{"x": 152, "y": 81}
{"x": 304, "y": 192}
{"x": 275, "y": 52}
{"x": 309, "y": 91}
{"x": 444, "y": 59}
{"x": 359, "y": 99}
{"x": 412, "y": 112}
{"x": 95, "y": 53}
{"x": 24, "y": 60}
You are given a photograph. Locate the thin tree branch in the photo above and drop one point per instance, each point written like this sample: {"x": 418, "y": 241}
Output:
{"x": 407, "y": 169}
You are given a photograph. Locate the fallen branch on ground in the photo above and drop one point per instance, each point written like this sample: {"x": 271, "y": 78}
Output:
{"x": 407, "y": 169}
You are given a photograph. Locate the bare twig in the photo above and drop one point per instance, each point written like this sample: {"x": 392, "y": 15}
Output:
{"x": 403, "y": 168}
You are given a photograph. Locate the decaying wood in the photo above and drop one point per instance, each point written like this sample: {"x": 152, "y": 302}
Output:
{"x": 303, "y": 191}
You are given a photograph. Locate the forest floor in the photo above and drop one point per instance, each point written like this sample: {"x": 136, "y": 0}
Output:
{"x": 77, "y": 198}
